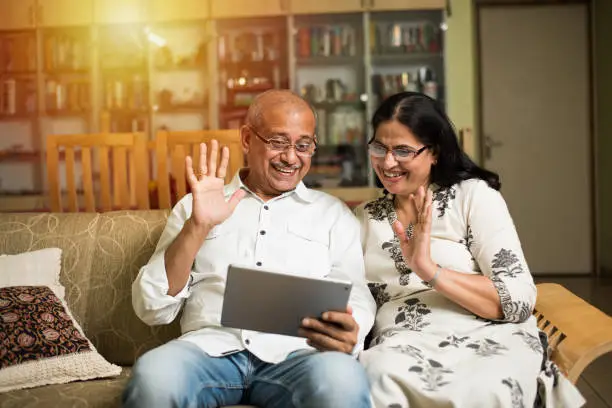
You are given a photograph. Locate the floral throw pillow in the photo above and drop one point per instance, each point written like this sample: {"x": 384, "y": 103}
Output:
{"x": 41, "y": 343}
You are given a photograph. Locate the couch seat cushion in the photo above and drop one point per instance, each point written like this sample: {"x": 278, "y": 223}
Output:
{"x": 81, "y": 394}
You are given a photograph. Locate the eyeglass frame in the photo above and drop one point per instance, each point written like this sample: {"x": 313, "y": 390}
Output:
{"x": 414, "y": 152}
{"x": 268, "y": 143}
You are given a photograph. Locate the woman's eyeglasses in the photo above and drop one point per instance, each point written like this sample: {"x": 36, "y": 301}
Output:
{"x": 400, "y": 154}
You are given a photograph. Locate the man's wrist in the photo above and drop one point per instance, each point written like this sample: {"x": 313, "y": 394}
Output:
{"x": 198, "y": 230}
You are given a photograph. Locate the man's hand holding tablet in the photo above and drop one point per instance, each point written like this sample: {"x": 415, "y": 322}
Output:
{"x": 335, "y": 331}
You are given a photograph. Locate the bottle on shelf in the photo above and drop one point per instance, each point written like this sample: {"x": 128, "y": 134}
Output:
{"x": 18, "y": 97}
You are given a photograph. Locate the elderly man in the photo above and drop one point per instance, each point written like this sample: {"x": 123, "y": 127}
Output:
{"x": 267, "y": 218}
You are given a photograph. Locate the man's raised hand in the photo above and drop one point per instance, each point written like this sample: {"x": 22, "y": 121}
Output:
{"x": 206, "y": 183}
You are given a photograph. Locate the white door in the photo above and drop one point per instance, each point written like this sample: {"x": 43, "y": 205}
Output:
{"x": 536, "y": 133}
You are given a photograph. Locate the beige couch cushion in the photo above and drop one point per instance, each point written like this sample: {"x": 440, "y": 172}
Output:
{"x": 125, "y": 241}
{"x": 103, "y": 393}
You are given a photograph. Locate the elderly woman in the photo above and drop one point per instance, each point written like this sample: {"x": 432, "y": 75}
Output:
{"x": 455, "y": 296}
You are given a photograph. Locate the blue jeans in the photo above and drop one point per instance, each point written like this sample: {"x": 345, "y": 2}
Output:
{"x": 180, "y": 374}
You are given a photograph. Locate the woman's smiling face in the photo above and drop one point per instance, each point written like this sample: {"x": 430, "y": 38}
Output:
{"x": 406, "y": 163}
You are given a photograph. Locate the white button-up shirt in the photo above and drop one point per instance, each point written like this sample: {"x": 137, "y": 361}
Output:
{"x": 303, "y": 232}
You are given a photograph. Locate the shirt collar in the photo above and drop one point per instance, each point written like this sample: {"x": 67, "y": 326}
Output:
{"x": 302, "y": 192}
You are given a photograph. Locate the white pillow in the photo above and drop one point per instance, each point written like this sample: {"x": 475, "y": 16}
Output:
{"x": 52, "y": 348}
{"x": 36, "y": 268}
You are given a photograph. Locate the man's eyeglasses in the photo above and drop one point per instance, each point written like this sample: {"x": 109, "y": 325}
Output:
{"x": 304, "y": 147}
{"x": 401, "y": 154}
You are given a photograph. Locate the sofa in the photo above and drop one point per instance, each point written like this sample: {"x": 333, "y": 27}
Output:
{"x": 101, "y": 256}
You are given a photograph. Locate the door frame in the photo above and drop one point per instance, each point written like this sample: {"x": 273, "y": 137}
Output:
{"x": 594, "y": 199}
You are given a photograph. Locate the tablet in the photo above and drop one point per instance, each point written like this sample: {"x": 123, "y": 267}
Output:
{"x": 272, "y": 302}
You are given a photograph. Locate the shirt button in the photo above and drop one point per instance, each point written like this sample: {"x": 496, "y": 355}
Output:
{"x": 247, "y": 342}
{"x": 262, "y": 232}
{"x": 266, "y": 207}
{"x": 258, "y": 264}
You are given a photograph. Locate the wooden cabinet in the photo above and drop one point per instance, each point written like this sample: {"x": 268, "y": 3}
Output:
{"x": 321, "y": 7}
{"x": 179, "y": 10}
{"x": 61, "y": 13}
{"x": 17, "y": 14}
{"x": 405, "y": 4}
{"x": 121, "y": 11}
{"x": 248, "y": 8}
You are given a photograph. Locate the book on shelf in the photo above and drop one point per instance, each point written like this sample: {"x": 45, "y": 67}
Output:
{"x": 64, "y": 52}
{"x": 18, "y": 53}
{"x": 405, "y": 37}
{"x": 334, "y": 40}
{"x": 130, "y": 93}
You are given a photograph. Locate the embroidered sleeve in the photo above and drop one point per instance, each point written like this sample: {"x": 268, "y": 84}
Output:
{"x": 497, "y": 250}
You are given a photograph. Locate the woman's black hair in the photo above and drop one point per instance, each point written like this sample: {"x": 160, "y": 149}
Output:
{"x": 426, "y": 119}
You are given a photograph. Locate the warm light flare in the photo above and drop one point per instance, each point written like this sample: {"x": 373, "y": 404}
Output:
{"x": 154, "y": 38}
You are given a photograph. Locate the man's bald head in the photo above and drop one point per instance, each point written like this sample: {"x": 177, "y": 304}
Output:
{"x": 286, "y": 119}
{"x": 275, "y": 98}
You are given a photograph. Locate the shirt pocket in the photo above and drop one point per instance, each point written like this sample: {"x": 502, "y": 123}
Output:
{"x": 221, "y": 247}
{"x": 308, "y": 249}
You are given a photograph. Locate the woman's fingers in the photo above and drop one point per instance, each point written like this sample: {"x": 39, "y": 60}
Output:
{"x": 427, "y": 211}
{"x": 398, "y": 229}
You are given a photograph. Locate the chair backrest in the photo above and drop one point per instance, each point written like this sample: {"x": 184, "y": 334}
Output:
{"x": 171, "y": 148}
{"x": 123, "y": 166}
{"x": 578, "y": 332}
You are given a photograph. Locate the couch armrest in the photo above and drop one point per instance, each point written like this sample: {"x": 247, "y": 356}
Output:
{"x": 578, "y": 332}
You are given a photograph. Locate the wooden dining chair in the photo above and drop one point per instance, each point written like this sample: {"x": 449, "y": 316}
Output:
{"x": 578, "y": 332}
{"x": 171, "y": 148}
{"x": 123, "y": 165}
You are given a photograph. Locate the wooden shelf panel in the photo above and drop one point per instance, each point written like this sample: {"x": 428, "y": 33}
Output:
{"x": 182, "y": 109}
{"x": 19, "y": 156}
{"x": 66, "y": 113}
{"x": 332, "y": 105}
{"x": 67, "y": 72}
{"x": 180, "y": 68}
{"x": 405, "y": 58}
{"x": 29, "y": 156}
{"x": 17, "y": 117}
{"x": 17, "y": 73}
{"x": 328, "y": 60}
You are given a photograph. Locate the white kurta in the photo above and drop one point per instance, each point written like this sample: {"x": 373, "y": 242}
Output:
{"x": 427, "y": 351}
